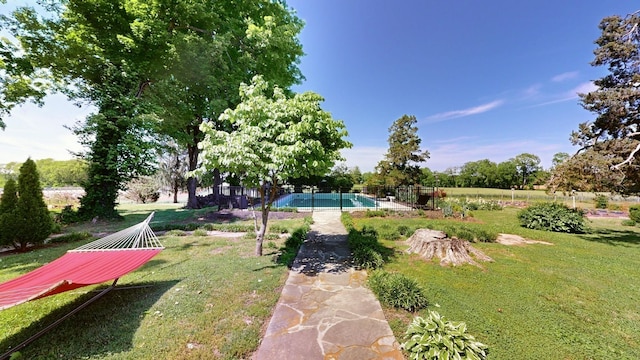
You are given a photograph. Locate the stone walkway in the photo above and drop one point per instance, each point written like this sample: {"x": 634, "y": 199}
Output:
{"x": 325, "y": 311}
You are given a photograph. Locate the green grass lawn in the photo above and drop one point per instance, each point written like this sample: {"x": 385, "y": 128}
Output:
{"x": 207, "y": 298}
{"x": 577, "y": 299}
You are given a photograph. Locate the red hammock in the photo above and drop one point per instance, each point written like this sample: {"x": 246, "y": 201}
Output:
{"x": 71, "y": 271}
{"x": 103, "y": 260}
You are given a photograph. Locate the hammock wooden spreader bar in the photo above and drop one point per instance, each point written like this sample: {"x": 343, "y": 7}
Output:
{"x": 106, "y": 259}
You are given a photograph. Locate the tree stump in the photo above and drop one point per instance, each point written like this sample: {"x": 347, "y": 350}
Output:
{"x": 433, "y": 243}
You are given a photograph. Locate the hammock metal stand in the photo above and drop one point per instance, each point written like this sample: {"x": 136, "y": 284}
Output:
{"x": 45, "y": 330}
{"x": 139, "y": 236}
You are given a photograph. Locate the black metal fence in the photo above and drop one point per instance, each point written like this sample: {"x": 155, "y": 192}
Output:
{"x": 316, "y": 199}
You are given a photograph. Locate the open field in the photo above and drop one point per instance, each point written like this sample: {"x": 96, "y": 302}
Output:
{"x": 584, "y": 200}
{"x": 576, "y": 299}
{"x": 206, "y": 298}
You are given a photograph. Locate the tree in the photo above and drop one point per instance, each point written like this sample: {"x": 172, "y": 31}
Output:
{"x": 482, "y": 173}
{"x": 32, "y": 222}
{"x": 104, "y": 53}
{"x": 559, "y": 158}
{"x": 19, "y": 80}
{"x": 8, "y": 203}
{"x": 507, "y": 174}
{"x": 251, "y": 37}
{"x": 356, "y": 175}
{"x": 172, "y": 170}
{"x": 400, "y": 164}
{"x": 527, "y": 166}
{"x": 339, "y": 179}
{"x": 275, "y": 138}
{"x": 615, "y": 132}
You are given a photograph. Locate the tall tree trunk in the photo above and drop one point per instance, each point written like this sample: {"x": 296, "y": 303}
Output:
{"x": 192, "y": 183}
{"x": 263, "y": 230}
{"x": 176, "y": 188}
{"x": 103, "y": 183}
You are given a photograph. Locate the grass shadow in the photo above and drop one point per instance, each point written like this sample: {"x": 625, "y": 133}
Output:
{"x": 613, "y": 237}
{"x": 104, "y": 327}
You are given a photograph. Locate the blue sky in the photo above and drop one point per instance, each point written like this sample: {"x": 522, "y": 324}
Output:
{"x": 486, "y": 80}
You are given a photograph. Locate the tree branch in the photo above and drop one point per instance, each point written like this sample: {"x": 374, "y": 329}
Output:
{"x": 628, "y": 160}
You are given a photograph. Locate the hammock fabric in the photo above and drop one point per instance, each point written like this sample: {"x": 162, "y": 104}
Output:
{"x": 103, "y": 260}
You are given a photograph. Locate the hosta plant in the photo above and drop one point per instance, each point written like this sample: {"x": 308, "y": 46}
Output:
{"x": 436, "y": 338}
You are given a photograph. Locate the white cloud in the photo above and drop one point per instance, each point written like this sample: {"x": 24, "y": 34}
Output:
{"x": 457, "y": 153}
{"x": 464, "y": 112}
{"x": 572, "y": 94}
{"x": 364, "y": 157}
{"x": 564, "y": 76}
{"x": 39, "y": 132}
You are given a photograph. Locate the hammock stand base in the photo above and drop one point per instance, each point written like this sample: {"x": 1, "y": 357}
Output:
{"x": 37, "y": 335}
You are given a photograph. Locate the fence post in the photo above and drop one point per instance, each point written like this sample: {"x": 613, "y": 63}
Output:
{"x": 340, "y": 191}
{"x": 313, "y": 197}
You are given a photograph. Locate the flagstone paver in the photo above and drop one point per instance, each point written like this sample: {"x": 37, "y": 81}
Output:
{"x": 325, "y": 311}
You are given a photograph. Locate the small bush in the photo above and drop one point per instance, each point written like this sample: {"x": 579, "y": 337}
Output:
{"x": 143, "y": 190}
{"x": 553, "y": 217}
{"x": 271, "y": 245}
{"x": 628, "y": 222}
{"x": 67, "y": 216}
{"x": 375, "y": 213}
{"x": 367, "y": 258}
{"x": 397, "y": 290}
{"x": 200, "y": 232}
{"x": 634, "y": 213}
{"x": 347, "y": 220}
{"x": 278, "y": 229}
{"x": 436, "y": 338}
{"x": 71, "y": 237}
{"x": 175, "y": 232}
{"x": 366, "y": 251}
{"x": 601, "y": 201}
{"x": 403, "y": 230}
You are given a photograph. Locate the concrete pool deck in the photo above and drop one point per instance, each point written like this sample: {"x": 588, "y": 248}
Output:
{"x": 325, "y": 311}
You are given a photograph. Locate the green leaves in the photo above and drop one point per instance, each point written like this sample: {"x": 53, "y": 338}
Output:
{"x": 274, "y": 138}
{"x": 436, "y": 338}
{"x": 552, "y": 217}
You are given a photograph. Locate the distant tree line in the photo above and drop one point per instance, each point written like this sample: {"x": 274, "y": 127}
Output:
{"x": 53, "y": 173}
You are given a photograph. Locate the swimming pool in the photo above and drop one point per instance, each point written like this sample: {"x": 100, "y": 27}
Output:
{"x": 325, "y": 200}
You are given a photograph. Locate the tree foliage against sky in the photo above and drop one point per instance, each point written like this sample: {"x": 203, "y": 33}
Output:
{"x": 233, "y": 42}
{"x": 400, "y": 165}
{"x": 139, "y": 62}
{"x": 609, "y": 145}
{"x": 274, "y": 138}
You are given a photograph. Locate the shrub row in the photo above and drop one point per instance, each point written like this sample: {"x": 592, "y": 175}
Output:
{"x": 294, "y": 241}
{"x": 71, "y": 237}
{"x": 207, "y": 227}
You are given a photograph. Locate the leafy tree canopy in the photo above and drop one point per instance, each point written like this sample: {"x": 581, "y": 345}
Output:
{"x": 612, "y": 140}
{"x": 275, "y": 138}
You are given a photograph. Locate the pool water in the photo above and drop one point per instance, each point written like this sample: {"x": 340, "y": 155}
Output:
{"x": 324, "y": 200}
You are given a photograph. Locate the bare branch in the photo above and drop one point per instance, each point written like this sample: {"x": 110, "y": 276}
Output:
{"x": 628, "y": 160}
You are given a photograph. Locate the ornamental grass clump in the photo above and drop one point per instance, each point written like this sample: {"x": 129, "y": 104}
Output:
{"x": 397, "y": 290}
{"x": 434, "y": 337}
